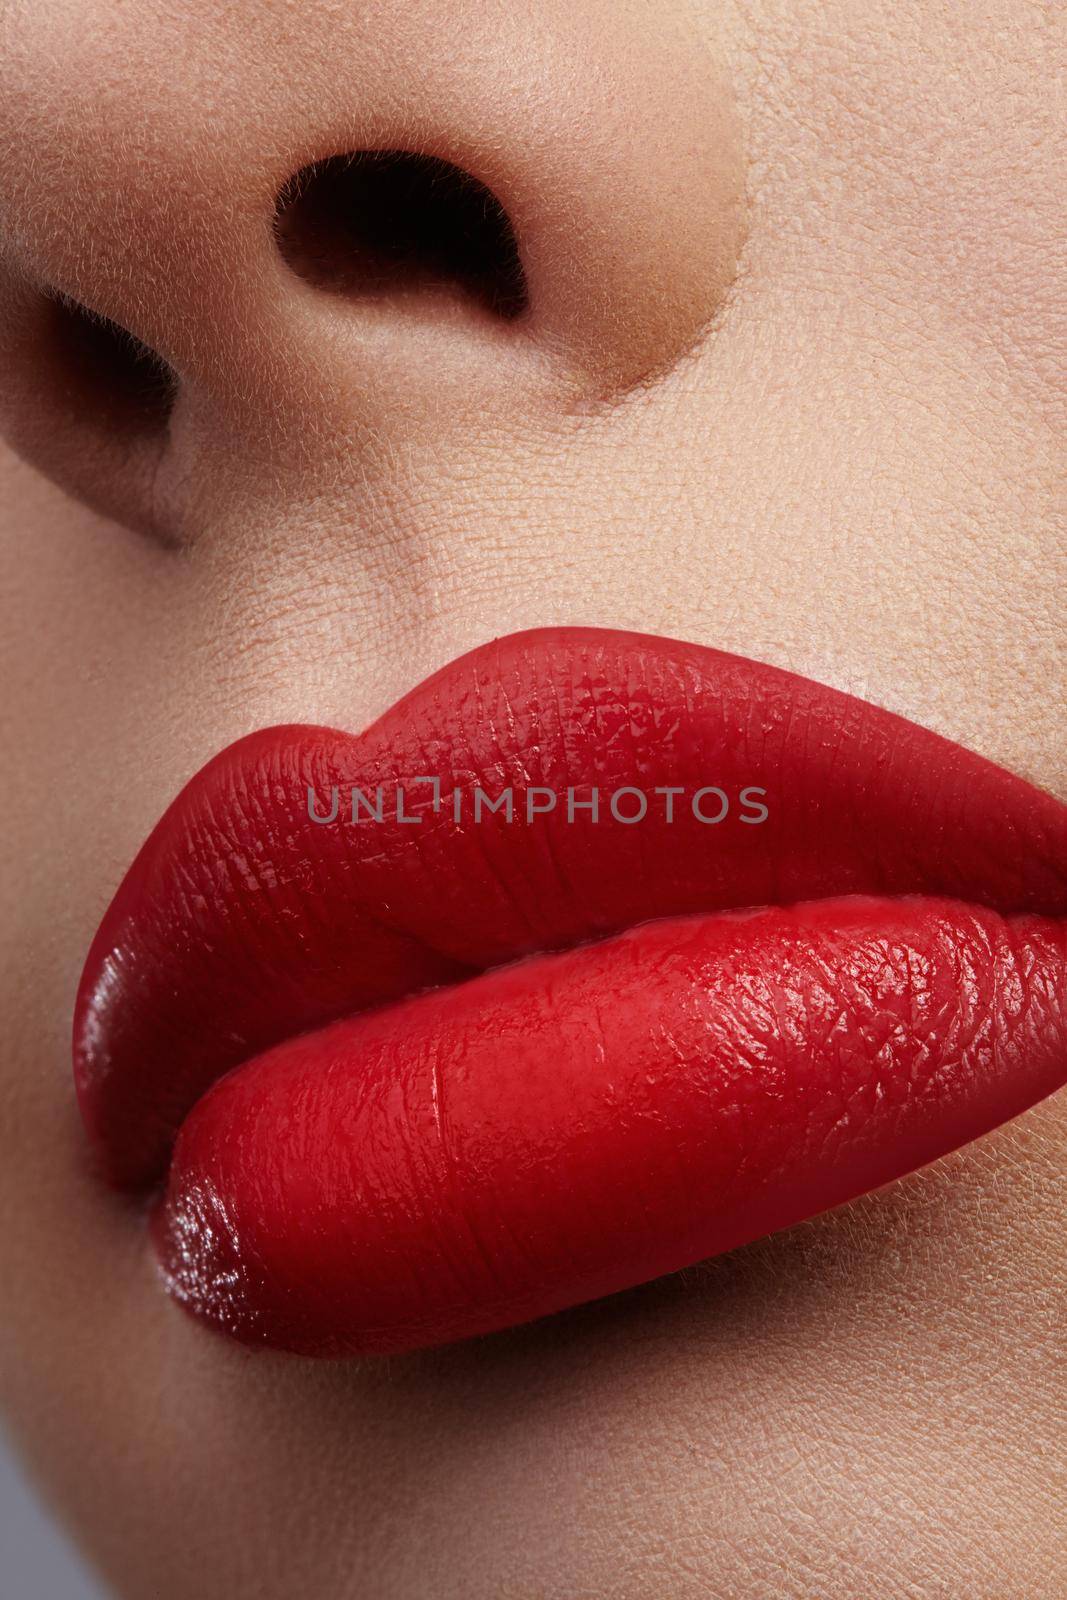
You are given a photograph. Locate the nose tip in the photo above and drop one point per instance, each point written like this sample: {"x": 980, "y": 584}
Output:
{"x": 260, "y": 230}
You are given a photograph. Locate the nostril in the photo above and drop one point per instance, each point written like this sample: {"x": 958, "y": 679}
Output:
{"x": 390, "y": 224}
{"x": 104, "y": 366}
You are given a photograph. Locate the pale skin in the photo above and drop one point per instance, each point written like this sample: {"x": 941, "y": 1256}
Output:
{"x": 792, "y": 385}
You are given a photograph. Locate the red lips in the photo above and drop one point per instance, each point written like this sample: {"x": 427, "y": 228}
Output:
{"x": 358, "y": 1165}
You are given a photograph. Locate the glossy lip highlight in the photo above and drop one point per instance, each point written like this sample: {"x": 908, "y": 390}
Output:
{"x": 399, "y": 1121}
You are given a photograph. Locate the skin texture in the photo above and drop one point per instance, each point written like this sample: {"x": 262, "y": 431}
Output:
{"x": 792, "y": 385}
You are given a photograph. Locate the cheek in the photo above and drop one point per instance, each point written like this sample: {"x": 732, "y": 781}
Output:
{"x": 922, "y": 154}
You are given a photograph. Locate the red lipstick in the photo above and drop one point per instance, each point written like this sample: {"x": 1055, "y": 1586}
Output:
{"x": 411, "y": 1068}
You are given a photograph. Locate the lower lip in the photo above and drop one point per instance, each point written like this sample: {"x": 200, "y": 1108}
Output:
{"x": 570, "y": 1125}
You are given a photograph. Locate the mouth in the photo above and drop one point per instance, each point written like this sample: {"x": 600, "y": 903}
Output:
{"x": 402, "y": 1060}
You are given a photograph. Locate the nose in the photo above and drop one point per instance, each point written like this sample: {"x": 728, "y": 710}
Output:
{"x": 271, "y": 235}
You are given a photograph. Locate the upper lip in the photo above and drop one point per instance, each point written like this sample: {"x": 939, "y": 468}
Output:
{"x": 241, "y": 923}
